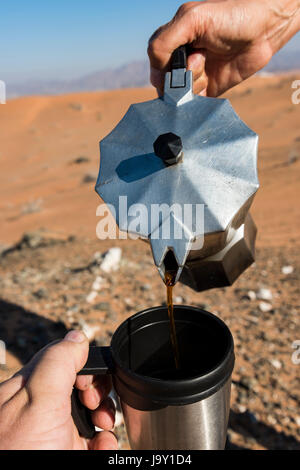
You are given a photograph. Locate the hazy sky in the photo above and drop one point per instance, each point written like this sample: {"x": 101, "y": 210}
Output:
{"x": 53, "y": 39}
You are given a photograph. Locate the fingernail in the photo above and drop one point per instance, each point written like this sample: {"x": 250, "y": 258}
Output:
{"x": 75, "y": 336}
{"x": 87, "y": 380}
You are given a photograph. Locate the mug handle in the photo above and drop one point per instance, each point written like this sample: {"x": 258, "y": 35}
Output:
{"x": 99, "y": 363}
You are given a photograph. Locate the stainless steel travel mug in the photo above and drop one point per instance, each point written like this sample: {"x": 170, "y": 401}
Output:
{"x": 165, "y": 408}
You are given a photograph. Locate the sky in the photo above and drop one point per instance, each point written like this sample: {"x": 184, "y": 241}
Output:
{"x": 65, "y": 39}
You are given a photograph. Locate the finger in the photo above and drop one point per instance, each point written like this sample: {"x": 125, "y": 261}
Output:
{"x": 196, "y": 63}
{"x": 104, "y": 416}
{"x": 183, "y": 29}
{"x": 83, "y": 382}
{"x": 157, "y": 80}
{"x": 12, "y": 386}
{"x": 200, "y": 86}
{"x": 56, "y": 367}
{"x": 96, "y": 392}
{"x": 104, "y": 440}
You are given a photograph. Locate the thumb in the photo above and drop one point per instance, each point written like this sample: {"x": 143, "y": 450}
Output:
{"x": 55, "y": 368}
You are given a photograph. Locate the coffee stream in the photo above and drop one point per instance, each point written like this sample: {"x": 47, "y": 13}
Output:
{"x": 170, "y": 282}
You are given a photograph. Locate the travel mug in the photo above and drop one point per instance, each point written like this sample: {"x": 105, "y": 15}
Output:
{"x": 165, "y": 408}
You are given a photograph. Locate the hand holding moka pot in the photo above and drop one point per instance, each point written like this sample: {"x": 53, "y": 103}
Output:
{"x": 183, "y": 150}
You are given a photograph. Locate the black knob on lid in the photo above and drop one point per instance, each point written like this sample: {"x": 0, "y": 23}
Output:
{"x": 168, "y": 147}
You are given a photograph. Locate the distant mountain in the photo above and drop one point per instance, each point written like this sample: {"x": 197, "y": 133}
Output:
{"x": 284, "y": 60}
{"x": 132, "y": 75}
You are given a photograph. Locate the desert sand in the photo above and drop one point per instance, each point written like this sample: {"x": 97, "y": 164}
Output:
{"x": 41, "y": 138}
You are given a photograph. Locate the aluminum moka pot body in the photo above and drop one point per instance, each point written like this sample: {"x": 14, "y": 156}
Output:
{"x": 179, "y": 151}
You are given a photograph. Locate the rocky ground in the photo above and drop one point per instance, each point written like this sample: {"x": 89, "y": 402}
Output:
{"x": 50, "y": 283}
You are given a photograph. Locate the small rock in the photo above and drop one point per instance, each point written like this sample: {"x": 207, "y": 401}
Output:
{"x": 90, "y": 177}
{"x": 98, "y": 283}
{"x": 91, "y": 297}
{"x": 285, "y": 421}
{"x": 32, "y": 207}
{"x": 70, "y": 315}
{"x": 287, "y": 269}
{"x": 248, "y": 382}
{"x": 145, "y": 287}
{"x": 241, "y": 408}
{"x": 275, "y": 363}
{"x": 3, "y": 248}
{"x": 76, "y": 106}
{"x": 265, "y": 307}
{"x": 129, "y": 302}
{"x": 74, "y": 308}
{"x": 111, "y": 315}
{"x": 264, "y": 294}
{"x": 97, "y": 257}
{"x": 39, "y": 238}
{"x": 111, "y": 260}
{"x": 80, "y": 160}
{"x": 65, "y": 298}
{"x": 297, "y": 420}
{"x": 242, "y": 397}
{"x": 253, "y": 319}
{"x": 251, "y": 295}
{"x": 104, "y": 306}
{"x": 89, "y": 330}
{"x": 71, "y": 318}
{"x": 203, "y": 306}
{"x": 110, "y": 334}
{"x": 31, "y": 239}
{"x": 41, "y": 293}
{"x": 271, "y": 420}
